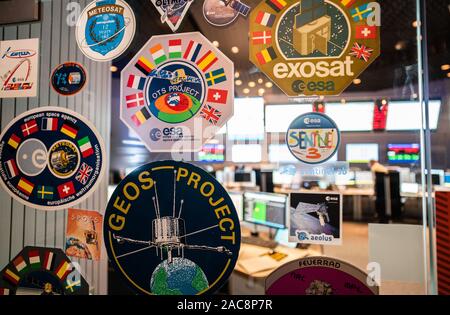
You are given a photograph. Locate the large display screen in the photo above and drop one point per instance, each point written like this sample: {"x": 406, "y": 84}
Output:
{"x": 361, "y": 152}
{"x": 212, "y": 153}
{"x": 405, "y": 115}
{"x": 246, "y": 153}
{"x": 278, "y": 117}
{"x": 356, "y": 116}
{"x": 403, "y": 153}
{"x": 247, "y": 122}
{"x": 279, "y": 153}
{"x": 265, "y": 209}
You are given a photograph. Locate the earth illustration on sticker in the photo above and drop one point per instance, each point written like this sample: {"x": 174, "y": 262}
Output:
{"x": 181, "y": 277}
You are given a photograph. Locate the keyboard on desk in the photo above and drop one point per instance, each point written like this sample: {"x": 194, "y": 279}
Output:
{"x": 259, "y": 242}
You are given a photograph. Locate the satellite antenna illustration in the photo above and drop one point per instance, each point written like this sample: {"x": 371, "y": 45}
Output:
{"x": 321, "y": 209}
{"x": 312, "y": 28}
{"x": 169, "y": 233}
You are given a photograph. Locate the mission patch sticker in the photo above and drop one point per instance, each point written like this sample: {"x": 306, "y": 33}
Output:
{"x": 68, "y": 78}
{"x": 105, "y": 29}
{"x": 314, "y": 47}
{"x": 313, "y": 138}
{"x": 51, "y": 158}
{"x": 177, "y": 92}
{"x": 171, "y": 228}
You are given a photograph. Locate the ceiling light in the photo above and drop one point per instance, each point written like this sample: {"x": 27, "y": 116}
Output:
{"x": 357, "y": 81}
{"x": 215, "y": 43}
{"x": 261, "y": 92}
{"x": 445, "y": 67}
{"x": 234, "y": 50}
{"x": 251, "y": 84}
{"x": 237, "y": 74}
{"x": 113, "y": 69}
{"x": 343, "y": 101}
{"x": 238, "y": 82}
{"x": 260, "y": 81}
{"x": 448, "y": 75}
{"x": 246, "y": 90}
{"x": 269, "y": 85}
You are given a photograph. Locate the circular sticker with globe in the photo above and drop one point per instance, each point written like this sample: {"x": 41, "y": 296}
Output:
{"x": 171, "y": 228}
{"x": 313, "y": 138}
{"x": 68, "y": 78}
{"x": 51, "y": 158}
{"x": 105, "y": 29}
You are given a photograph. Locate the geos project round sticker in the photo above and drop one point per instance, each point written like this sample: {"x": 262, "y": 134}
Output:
{"x": 171, "y": 229}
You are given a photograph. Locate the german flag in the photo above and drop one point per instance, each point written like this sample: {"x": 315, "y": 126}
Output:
{"x": 69, "y": 130}
{"x": 144, "y": 65}
{"x": 277, "y": 5}
{"x": 14, "y": 141}
{"x": 266, "y": 55}
{"x": 63, "y": 270}
{"x": 25, "y": 186}
{"x": 11, "y": 277}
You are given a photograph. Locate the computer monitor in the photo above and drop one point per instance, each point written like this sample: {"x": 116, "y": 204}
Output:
{"x": 409, "y": 188}
{"x": 363, "y": 178}
{"x": 212, "y": 153}
{"x": 265, "y": 209}
{"x": 238, "y": 201}
{"x": 246, "y": 153}
{"x": 361, "y": 152}
{"x": 244, "y": 177}
{"x": 282, "y": 238}
{"x": 403, "y": 153}
{"x": 447, "y": 179}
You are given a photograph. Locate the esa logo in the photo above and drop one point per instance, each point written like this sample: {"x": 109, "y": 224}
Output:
{"x": 309, "y": 120}
{"x": 173, "y": 132}
{"x": 330, "y": 198}
{"x": 302, "y": 236}
{"x": 300, "y": 86}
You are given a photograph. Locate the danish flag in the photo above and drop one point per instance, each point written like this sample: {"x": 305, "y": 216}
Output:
{"x": 262, "y": 37}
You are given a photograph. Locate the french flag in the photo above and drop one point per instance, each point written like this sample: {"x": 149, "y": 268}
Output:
{"x": 49, "y": 124}
{"x": 136, "y": 82}
{"x": 11, "y": 168}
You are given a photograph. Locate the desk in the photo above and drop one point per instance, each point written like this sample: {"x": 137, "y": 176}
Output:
{"x": 253, "y": 284}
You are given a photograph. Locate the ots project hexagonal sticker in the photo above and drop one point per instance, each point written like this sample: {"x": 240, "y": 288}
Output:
{"x": 314, "y": 47}
{"x": 171, "y": 228}
{"x": 51, "y": 158}
{"x": 177, "y": 92}
{"x": 105, "y": 29}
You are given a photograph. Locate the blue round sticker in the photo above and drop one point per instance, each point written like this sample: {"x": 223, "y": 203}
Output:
{"x": 69, "y": 78}
{"x": 313, "y": 138}
{"x": 51, "y": 158}
{"x": 171, "y": 228}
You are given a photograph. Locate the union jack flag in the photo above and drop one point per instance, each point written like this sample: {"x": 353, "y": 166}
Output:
{"x": 211, "y": 114}
{"x": 361, "y": 52}
{"x": 84, "y": 173}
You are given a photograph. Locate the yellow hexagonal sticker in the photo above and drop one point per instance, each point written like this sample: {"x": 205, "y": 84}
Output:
{"x": 314, "y": 47}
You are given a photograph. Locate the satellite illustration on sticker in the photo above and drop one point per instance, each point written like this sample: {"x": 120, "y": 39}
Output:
{"x": 171, "y": 228}
{"x": 172, "y": 11}
{"x": 224, "y": 12}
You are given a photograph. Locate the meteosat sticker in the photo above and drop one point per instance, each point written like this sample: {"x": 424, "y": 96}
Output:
{"x": 51, "y": 158}
{"x": 314, "y": 47}
{"x": 105, "y": 29}
{"x": 171, "y": 228}
{"x": 313, "y": 138}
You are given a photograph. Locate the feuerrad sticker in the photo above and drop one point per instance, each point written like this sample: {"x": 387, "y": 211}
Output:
{"x": 314, "y": 47}
{"x": 19, "y": 60}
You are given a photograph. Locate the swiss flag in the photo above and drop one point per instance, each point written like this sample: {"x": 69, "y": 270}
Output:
{"x": 66, "y": 189}
{"x": 366, "y": 32}
{"x": 217, "y": 96}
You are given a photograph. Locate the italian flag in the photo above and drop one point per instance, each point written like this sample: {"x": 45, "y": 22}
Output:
{"x": 20, "y": 264}
{"x": 34, "y": 259}
{"x": 85, "y": 147}
{"x": 174, "y": 48}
